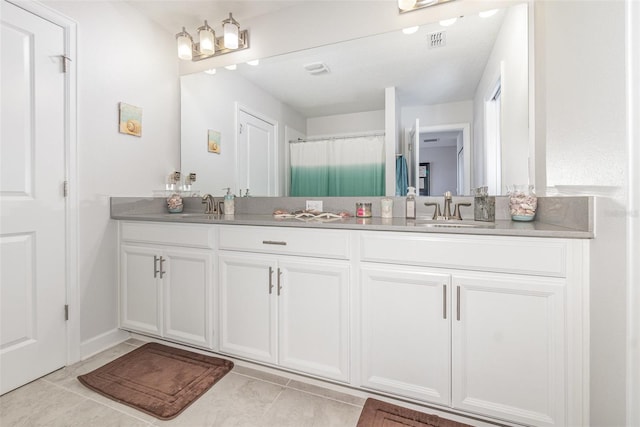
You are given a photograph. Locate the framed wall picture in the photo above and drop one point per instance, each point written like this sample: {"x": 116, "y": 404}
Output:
{"x": 130, "y": 119}
{"x": 213, "y": 141}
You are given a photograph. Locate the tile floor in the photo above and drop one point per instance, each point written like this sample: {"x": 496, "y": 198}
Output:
{"x": 244, "y": 397}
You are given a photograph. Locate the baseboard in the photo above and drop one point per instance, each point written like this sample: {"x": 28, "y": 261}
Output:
{"x": 102, "y": 342}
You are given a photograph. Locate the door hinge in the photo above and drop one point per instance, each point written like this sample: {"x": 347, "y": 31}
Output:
{"x": 240, "y": 130}
{"x": 66, "y": 312}
{"x": 65, "y": 189}
{"x": 65, "y": 58}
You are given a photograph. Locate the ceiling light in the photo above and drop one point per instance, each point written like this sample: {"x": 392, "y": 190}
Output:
{"x": 210, "y": 71}
{"x": 231, "y": 67}
{"x": 254, "y": 62}
{"x": 448, "y": 22}
{"x": 208, "y": 44}
{"x": 488, "y": 13}
{"x": 410, "y": 30}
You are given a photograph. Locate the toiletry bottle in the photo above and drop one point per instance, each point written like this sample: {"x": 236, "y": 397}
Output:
{"x": 411, "y": 202}
{"x": 229, "y": 203}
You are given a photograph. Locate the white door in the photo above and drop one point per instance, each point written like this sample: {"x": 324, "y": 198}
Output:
{"x": 313, "y": 307}
{"x": 248, "y": 285}
{"x": 32, "y": 206}
{"x": 508, "y": 347}
{"x": 187, "y": 296}
{"x": 257, "y": 155}
{"x": 406, "y": 332}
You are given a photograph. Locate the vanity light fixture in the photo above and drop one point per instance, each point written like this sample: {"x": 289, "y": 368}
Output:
{"x": 411, "y": 5}
{"x": 208, "y": 44}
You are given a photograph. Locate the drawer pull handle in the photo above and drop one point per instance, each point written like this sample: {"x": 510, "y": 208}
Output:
{"x": 270, "y": 280}
{"x": 458, "y": 302}
{"x": 155, "y": 266}
{"x": 162, "y": 272}
{"x": 444, "y": 301}
{"x": 274, "y": 242}
{"x": 279, "y": 285}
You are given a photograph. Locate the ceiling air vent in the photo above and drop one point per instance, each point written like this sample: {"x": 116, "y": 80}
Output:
{"x": 437, "y": 39}
{"x": 316, "y": 68}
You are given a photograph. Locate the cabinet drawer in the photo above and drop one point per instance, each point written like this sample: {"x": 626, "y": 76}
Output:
{"x": 288, "y": 241}
{"x": 191, "y": 235}
{"x": 521, "y": 255}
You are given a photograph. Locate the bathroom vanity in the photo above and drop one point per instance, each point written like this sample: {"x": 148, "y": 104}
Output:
{"x": 489, "y": 322}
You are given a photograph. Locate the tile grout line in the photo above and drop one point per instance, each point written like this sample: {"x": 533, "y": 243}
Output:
{"x": 95, "y": 401}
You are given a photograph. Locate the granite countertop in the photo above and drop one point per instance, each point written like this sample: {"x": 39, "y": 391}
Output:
{"x": 497, "y": 228}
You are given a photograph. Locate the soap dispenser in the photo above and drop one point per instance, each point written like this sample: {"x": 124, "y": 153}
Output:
{"x": 229, "y": 203}
{"x": 411, "y": 202}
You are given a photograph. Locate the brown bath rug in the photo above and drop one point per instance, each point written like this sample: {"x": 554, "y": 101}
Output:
{"x": 382, "y": 414}
{"x": 159, "y": 380}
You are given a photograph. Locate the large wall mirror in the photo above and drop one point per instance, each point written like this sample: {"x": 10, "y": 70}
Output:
{"x": 460, "y": 104}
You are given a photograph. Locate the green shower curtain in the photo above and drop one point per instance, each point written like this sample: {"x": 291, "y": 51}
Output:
{"x": 347, "y": 166}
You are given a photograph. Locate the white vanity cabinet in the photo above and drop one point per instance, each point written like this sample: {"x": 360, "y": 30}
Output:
{"x": 166, "y": 281}
{"x": 284, "y": 298}
{"x": 406, "y": 332}
{"x": 477, "y": 323}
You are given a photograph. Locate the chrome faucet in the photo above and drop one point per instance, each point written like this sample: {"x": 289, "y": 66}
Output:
{"x": 446, "y": 215}
{"x": 210, "y": 207}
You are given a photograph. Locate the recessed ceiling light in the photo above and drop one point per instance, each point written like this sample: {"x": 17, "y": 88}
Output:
{"x": 410, "y": 30}
{"x": 211, "y": 71}
{"x": 448, "y": 22}
{"x": 487, "y": 13}
{"x": 316, "y": 68}
{"x": 231, "y": 67}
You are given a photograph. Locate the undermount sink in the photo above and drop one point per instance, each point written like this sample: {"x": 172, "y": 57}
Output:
{"x": 451, "y": 223}
{"x": 190, "y": 215}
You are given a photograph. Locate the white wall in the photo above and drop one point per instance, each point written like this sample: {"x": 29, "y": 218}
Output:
{"x": 508, "y": 63}
{"x": 122, "y": 57}
{"x": 581, "y": 85}
{"x": 366, "y": 121}
{"x": 439, "y": 114}
{"x": 209, "y": 101}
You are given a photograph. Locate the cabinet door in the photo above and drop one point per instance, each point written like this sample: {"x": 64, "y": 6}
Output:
{"x": 313, "y": 326}
{"x": 508, "y": 346}
{"x": 140, "y": 289}
{"x": 247, "y": 306}
{"x": 406, "y": 330}
{"x": 187, "y": 296}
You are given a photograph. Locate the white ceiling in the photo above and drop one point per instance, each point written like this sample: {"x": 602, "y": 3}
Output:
{"x": 360, "y": 69}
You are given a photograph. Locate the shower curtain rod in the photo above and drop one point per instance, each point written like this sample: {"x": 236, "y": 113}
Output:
{"x": 295, "y": 141}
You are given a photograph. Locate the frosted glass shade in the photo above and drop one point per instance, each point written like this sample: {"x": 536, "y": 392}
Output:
{"x": 231, "y": 34}
{"x": 207, "y": 39}
{"x": 406, "y": 4}
{"x": 185, "y": 46}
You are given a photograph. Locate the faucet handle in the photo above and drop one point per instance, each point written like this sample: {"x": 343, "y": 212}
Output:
{"x": 436, "y": 211}
{"x": 456, "y": 211}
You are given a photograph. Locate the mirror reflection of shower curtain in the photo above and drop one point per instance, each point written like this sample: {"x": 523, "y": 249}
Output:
{"x": 349, "y": 166}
